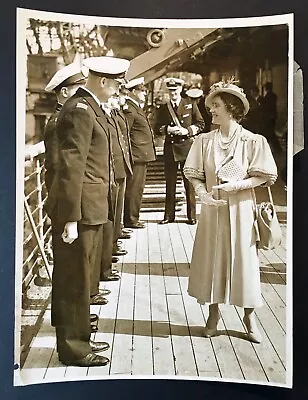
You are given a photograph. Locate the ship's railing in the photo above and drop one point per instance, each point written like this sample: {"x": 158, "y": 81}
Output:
{"x": 37, "y": 251}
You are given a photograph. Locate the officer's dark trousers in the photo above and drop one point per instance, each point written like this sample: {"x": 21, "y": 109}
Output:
{"x": 103, "y": 258}
{"x": 119, "y": 205}
{"x": 108, "y": 237}
{"x": 171, "y": 169}
{"x": 133, "y": 193}
{"x": 70, "y": 306}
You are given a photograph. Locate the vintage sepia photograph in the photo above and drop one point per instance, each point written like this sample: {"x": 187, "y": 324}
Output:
{"x": 154, "y": 199}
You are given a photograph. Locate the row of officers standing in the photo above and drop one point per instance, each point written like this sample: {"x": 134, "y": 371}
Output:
{"x": 97, "y": 146}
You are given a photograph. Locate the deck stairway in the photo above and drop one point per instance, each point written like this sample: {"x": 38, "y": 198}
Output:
{"x": 155, "y": 188}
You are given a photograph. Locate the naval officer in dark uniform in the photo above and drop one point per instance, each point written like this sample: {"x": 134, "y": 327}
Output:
{"x": 64, "y": 83}
{"x": 124, "y": 159}
{"x": 122, "y": 168}
{"x": 179, "y": 120}
{"x": 78, "y": 206}
{"x": 143, "y": 151}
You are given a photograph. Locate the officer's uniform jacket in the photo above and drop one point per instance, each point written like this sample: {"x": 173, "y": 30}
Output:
{"x": 121, "y": 149}
{"x": 189, "y": 116}
{"x": 141, "y": 134}
{"x": 51, "y": 147}
{"x": 82, "y": 184}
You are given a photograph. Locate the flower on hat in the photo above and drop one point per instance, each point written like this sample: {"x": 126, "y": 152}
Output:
{"x": 223, "y": 84}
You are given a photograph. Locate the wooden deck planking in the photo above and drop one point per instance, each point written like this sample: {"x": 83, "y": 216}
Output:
{"x": 203, "y": 351}
{"x": 271, "y": 363}
{"x": 281, "y": 253}
{"x": 227, "y": 360}
{"x": 42, "y": 348}
{"x": 55, "y": 371}
{"x": 38, "y": 359}
{"x": 169, "y": 269}
{"x": 278, "y": 266}
{"x": 107, "y": 319}
{"x": 272, "y": 278}
{"x": 163, "y": 362}
{"x": 142, "y": 362}
{"x": 121, "y": 356}
{"x": 275, "y": 303}
{"x": 249, "y": 362}
{"x": 273, "y": 331}
{"x": 154, "y": 326}
{"x": 182, "y": 345}
{"x": 184, "y": 356}
{"x": 142, "y": 357}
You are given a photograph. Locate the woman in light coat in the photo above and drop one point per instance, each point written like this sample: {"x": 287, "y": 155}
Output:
{"x": 224, "y": 166}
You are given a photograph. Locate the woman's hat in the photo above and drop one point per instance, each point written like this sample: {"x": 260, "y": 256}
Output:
{"x": 227, "y": 87}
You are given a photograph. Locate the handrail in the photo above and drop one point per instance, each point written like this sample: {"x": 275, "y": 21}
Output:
{"x": 37, "y": 230}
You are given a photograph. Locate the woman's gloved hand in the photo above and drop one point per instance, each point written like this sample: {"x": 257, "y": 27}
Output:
{"x": 233, "y": 187}
{"x": 207, "y": 197}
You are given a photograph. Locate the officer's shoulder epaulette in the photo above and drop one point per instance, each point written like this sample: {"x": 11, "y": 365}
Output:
{"x": 82, "y": 105}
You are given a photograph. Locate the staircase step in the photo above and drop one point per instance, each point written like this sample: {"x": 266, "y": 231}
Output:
{"x": 162, "y": 196}
{"x": 161, "y": 192}
{"x": 157, "y": 208}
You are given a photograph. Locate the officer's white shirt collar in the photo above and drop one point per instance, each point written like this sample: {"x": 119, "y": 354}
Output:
{"x": 106, "y": 108}
{"x": 134, "y": 101}
{"x": 93, "y": 95}
{"x": 176, "y": 103}
{"x": 103, "y": 106}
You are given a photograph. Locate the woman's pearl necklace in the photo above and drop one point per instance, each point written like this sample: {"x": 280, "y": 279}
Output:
{"x": 225, "y": 144}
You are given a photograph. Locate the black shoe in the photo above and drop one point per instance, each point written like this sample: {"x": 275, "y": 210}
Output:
{"x": 105, "y": 292}
{"x": 135, "y": 225}
{"x": 126, "y": 230}
{"x": 93, "y": 318}
{"x": 120, "y": 252}
{"x": 192, "y": 221}
{"x": 98, "y": 346}
{"x": 98, "y": 299}
{"x": 115, "y": 260}
{"x": 111, "y": 278}
{"x": 90, "y": 360}
{"x": 125, "y": 236}
{"x": 166, "y": 221}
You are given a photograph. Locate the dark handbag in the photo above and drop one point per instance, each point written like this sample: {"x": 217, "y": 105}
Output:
{"x": 268, "y": 228}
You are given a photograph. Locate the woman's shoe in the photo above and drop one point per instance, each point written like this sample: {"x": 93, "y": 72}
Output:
{"x": 210, "y": 328}
{"x": 209, "y": 332}
{"x": 253, "y": 332}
